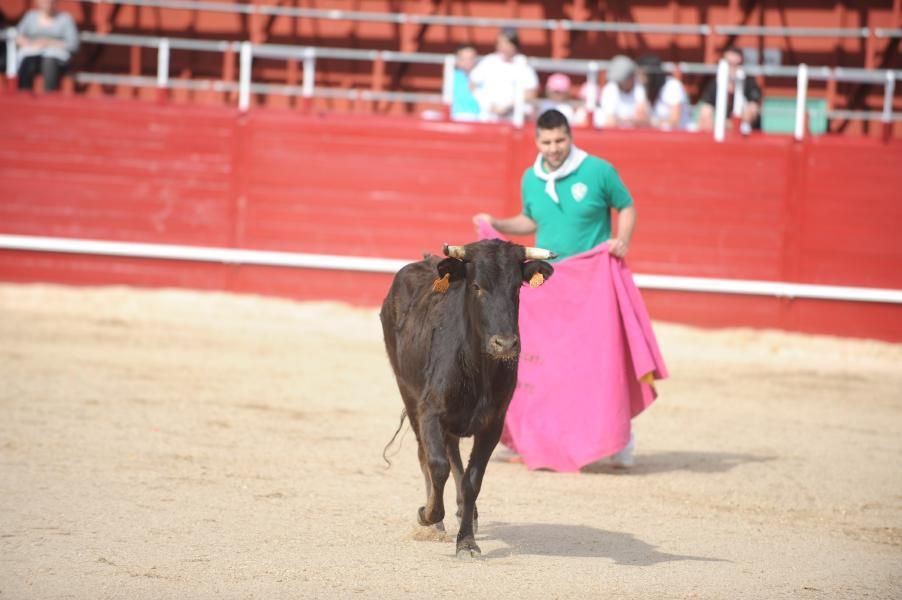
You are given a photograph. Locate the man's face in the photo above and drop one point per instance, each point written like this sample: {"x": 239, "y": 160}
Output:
{"x": 505, "y": 47}
{"x": 466, "y": 59}
{"x": 627, "y": 84}
{"x": 554, "y": 146}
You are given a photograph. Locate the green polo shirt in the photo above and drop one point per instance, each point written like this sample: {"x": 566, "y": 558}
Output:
{"x": 581, "y": 219}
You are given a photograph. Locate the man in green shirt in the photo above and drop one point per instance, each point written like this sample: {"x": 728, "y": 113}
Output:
{"x": 568, "y": 196}
{"x": 567, "y": 200}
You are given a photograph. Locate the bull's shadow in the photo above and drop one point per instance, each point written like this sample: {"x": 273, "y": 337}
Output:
{"x": 578, "y": 541}
{"x": 694, "y": 462}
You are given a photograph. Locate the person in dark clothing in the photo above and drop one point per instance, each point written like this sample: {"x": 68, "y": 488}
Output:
{"x": 751, "y": 112}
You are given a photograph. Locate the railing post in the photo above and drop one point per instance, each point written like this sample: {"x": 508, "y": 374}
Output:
{"x": 739, "y": 94}
{"x": 228, "y": 71}
{"x": 591, "y": 92}
{"x": 801, "y": 97}
{"x": 519, "y": 116}
{"x": 448, "y": 85}
{"x": 378, "y": 81}
{"x": 720, "y": 106}
{"x": 244, "y": 76}
{"x": 163, "y": 70}
{"x": 870, "y": 48}
{"x": 309, "y": 82}
{"x": 887, "y": 118}
{"x": 560, "y": 40}
{"x": 12, "y": 59}
{"x": 709, "y": 44}
{"x": 408, "y": 35}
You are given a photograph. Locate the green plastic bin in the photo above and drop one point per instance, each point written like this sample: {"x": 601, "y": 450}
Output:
{"x": 778, "y": 115}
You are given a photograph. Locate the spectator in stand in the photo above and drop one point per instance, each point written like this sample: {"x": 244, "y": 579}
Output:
{"x": 501, "y": 76}
{"x": 623, "y": 100}
{"x": 751, "y": 112}
{"x": 558, "y": 97}
{"x": 667, "y": 98}
{"x": 47, "y": 38}
{"x": 2, "y": 42}
{"x": 464, "y": 106}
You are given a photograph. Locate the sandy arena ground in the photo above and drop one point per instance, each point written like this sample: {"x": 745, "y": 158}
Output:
{"x": 168, "y": 444}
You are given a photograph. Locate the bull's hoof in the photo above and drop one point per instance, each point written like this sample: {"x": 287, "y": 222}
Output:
{"x": 425, "y": 521}
{"x": 468, "y": 549}
{"x": 440, "y": 527}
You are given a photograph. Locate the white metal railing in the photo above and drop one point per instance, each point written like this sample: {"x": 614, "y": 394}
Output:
{"x": 309, "y": 55}
{"x": 239, "y": 256}
{"x": 543, "y": 24}
{"x": 822, "y": 32}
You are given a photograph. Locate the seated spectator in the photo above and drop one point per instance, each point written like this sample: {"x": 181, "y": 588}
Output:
{"x": 2, "y": 42}
{"x": 500, "y": 76}
{"x": 47, "y": 38}
{"x": 464, "y": 106}
{"x": 623, "y": 101}
{"x": 558, "y": 97}
{"x": 667, "y": 97}
{"x": 751, "y": 113}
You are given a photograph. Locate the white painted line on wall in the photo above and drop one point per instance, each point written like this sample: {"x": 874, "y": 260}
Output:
{"x": 391, "y": 265}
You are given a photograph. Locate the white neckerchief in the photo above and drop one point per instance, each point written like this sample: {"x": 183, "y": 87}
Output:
{"x": 570, "y": 164}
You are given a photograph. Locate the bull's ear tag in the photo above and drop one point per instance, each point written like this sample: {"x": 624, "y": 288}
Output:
{"x": 441, "y": 285}
{"x": 536, "y": 280}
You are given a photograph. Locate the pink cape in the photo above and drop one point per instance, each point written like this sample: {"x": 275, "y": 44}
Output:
{"x": 588, "y": 356}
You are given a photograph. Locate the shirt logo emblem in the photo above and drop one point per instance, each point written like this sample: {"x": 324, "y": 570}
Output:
{"x": 579, "y": 191}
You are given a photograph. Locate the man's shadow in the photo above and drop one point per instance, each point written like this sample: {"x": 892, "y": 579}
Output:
{"x": 545, "y": 539}
{"x": 666, "y": 462}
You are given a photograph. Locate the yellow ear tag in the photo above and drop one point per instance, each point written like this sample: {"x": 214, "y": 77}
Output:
{"x": 536, "y": 280}
{"x": 441, "y": 285}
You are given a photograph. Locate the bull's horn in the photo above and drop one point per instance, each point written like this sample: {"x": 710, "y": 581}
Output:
{"x": 458, "y": 252}
{"x": 539, "y": 254}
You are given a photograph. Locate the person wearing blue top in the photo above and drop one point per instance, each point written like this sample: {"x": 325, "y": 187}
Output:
{"x": 464, "y": 106}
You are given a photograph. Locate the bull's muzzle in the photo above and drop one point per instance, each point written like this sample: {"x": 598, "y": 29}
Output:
{"x": 503, "y": 346}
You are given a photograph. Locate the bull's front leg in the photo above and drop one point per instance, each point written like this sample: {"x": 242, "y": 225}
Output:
{"x": 432, "y": 440}
{"x": 483, "y": 445}
{"x": 452, "y": 451}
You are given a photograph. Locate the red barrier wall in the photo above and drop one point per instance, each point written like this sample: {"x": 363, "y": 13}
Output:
{"x": 765, "y": 208}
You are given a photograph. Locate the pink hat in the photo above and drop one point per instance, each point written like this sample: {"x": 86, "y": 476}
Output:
{"x": 558, "y": 82}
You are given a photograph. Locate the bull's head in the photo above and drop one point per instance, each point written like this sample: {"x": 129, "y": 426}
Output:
{"x": 493, "y": 272}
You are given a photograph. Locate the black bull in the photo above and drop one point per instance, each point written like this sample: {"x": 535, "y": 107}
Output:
{"x": 452, "y": 336}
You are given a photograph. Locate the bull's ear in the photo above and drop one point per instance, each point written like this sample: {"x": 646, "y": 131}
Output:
{"x": 449, "y": 270}
{"x": 536, "y": 272}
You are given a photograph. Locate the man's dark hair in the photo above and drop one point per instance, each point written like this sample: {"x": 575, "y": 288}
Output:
{"x": 655, "y": 76}
{"x": 733, "y": 50}
{"x": 552, "y": 119}
{"x": 512, "y": 35}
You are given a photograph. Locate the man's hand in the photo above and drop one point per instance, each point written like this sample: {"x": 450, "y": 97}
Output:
{"x": 480, "y": 218}
{"x": 617, "y": 247}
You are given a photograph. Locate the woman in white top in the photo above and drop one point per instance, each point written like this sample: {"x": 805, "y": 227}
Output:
{"x": 500, "y": 77}
{"x": 666, "y": 95}
{"x": 623, "y": 102}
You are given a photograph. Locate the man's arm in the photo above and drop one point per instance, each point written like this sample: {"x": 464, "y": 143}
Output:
{"x": 518, "y": 225}
{"x": 626, "y": 223}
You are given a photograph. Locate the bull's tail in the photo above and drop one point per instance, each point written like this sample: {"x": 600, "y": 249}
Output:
{"x": 393, "y": 438}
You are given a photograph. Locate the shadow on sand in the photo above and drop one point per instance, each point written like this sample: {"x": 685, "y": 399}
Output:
{"x": 543, "y": 539}
{"x": 694, "y": 462}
